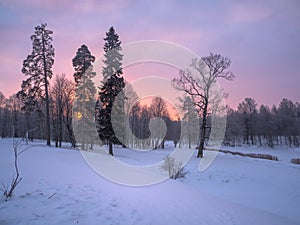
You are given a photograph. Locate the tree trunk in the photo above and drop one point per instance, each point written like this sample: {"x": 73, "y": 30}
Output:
{"x": 60, "y": 118}
{"x": 83, "y": 140}
{"x": 203, "y": 131}
{"x": 28, "y": 135}
{"x": 1, "y": 120}
{"x": 55, "y": 132}
{"x": 68, "y": 122}
{"x": 46, "y": 93}
{"x": 247, "y": 131}
{"x": 270, "y": 141}
{"x": 189, "y": 129}
{"x": 163, "y": 144}
{"x": 252, "y": 139}
{"x": 15, "y": 123}
{"x": 110, "y": 148}
{"x": 47, "y": 117}
{"x": 55, "y": 125}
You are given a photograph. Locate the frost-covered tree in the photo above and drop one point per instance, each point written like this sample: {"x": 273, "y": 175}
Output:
{"x": 38, "y": 68}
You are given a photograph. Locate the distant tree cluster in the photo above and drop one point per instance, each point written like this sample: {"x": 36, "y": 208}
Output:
{"x": 151, "y": 136}
{"x": 264, "y": 126}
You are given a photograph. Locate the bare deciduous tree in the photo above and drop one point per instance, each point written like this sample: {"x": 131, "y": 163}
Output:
{"x": 158, "y": 108}
{"x": 68, "y": 100}
{"x": 62, "y": 94}
{"x": 200, "y": 87}
{"x": 248, "y": 109}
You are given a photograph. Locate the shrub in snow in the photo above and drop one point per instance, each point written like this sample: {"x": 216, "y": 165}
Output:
{"x": 174, "y": 169}
{"x": 295, "y": 160}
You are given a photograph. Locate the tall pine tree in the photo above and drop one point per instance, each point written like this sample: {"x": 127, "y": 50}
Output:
{"x": 111, "y": 87}
{"x": 84, "y": 104}
{"x": 81, "y": 62}
{"x": 38, "y": 67}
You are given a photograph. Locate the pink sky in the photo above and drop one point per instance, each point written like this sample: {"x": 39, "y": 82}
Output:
{"x": 260, "y": 37}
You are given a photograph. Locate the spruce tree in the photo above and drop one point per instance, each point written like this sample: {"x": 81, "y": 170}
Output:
{"x": 111, "y": 87}
{"x": 38, "y": 67}
{"x": 84, "y": 105}
{"x": 113, "y": 57}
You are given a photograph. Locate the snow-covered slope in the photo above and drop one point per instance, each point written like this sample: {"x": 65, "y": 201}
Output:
{"x": 59, "y": 187}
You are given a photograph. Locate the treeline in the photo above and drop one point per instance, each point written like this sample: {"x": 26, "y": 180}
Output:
{"x": 264, "y": 126}
{"x": 248, "y": 124}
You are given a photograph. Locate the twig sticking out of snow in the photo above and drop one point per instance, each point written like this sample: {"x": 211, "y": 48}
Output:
{"x": 52, "y": 195}
{"x": 8, "y": 190}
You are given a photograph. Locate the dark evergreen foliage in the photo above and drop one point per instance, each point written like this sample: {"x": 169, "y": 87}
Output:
{"x": 113, "y": 57}
{"x": 38, "y": 67}
{"x": 81, "y": 62}
{"x": 111, "y": 87}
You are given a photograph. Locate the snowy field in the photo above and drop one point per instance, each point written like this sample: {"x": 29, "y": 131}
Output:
{"x": 59, "y": 187}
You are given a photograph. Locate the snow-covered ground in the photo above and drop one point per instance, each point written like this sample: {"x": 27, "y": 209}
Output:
{"x": 59, "y": 187}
